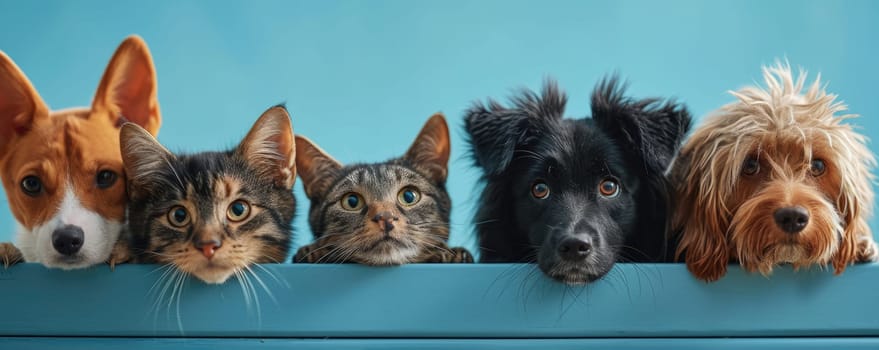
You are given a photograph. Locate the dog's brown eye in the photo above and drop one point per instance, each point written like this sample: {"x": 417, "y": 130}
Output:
{"x": 818, "y": 167}
{"x": 105, "y": 179}
{"x": 751, "y": 166}
{"x": 178, "y": 216}
{"x": 31, "y": 185}
{"x": 540, "y": 190}
{"x": 609, "y": 188}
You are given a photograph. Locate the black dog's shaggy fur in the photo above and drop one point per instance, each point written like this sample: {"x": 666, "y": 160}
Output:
{"x": 575, "y": 232}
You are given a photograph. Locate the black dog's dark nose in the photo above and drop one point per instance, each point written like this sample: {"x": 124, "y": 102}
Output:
{"x": 574, "y": 249}
{"x": 792, "y": 219}
{"x": 68, "y": 239}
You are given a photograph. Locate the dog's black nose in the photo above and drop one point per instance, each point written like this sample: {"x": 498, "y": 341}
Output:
{"x": 574, "y": 249}
{"x": 68, "y": 239}
{"x": 792, "y": 219}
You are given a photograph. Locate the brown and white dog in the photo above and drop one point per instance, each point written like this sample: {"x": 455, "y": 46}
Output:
{"x": 776, "y": 177}
{"x": 62, "y": 170}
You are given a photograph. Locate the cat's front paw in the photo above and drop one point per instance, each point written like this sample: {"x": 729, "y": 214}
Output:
{"x": 450, "y": 255}
{"x": 9, "y": 254}
{"x": 461, "y": 255}
{"x": 121, "y": 254}
{"x": 306, "y": 255}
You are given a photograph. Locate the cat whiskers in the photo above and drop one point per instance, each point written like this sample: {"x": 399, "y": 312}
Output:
{"x": 173, "y": 280}
{"x": 249, "y": 293}
{"x": 272, "y": 274}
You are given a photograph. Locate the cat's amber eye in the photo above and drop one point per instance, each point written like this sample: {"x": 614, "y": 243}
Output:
{"x": 540, "y": 190}
{"x": 818, "y": 167}
{"x": 408, "y": 196}
{"x": 352, "y": 201}
{"x": 609, "y": 188}
{"x": 751, "y": 166}
{"x": 238, "y": 210}
{"x": 178, "y": 216}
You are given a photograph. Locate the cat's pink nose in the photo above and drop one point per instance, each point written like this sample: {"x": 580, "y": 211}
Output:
{"x": 208, "y": 248}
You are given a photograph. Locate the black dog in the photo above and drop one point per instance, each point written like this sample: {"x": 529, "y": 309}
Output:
{"x": 576, "y": 194}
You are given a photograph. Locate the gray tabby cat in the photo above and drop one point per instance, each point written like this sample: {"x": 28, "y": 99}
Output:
{"x": 213, "y": 214}
{"x": 388, "y": 213}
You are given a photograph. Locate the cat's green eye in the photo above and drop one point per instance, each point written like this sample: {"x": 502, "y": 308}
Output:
{"x": 178, "y": 216}
{"x": 352, "y": 201}
{"x": 238, "y": 210}
{"x": 409, "y": 196}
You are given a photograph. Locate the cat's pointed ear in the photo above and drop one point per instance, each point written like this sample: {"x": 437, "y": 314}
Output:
{"x": 146, "y": 161}
{"x": 651, "y": 129}
{"x": 20, "y": 105}
{"x": 269, "y": 147}
{"x": 430, "y": 151}
{"x": 128, "y": 89}
{"x": 316, "y": 168}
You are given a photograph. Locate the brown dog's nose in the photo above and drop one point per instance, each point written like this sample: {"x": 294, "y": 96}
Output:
{"x": 208, "y": 247}
{"x": 792, "y": 219}
{"x": 385, "y": 220}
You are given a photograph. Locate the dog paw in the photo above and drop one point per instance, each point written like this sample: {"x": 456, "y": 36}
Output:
{"x": 867, "y": 251}
{"x": 10, "y": 255}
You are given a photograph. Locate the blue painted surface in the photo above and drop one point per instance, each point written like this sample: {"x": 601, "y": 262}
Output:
{"x": 437, "y": 344}
{"x": 441, "y": 301}
{"x": 361, "y": 77}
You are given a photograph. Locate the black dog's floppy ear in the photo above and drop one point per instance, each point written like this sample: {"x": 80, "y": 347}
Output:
{"x": 496, "y": 131}
{"x": 653, "y": 128}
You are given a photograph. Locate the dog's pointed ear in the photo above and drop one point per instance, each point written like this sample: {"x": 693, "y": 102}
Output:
{"x": 269, "y": 147}
{"x": 20, "y": 104}
{"x": 431, "y": 149}
{"x": 699, "y": 218}
{"x": 316, "y": 168}
{"x": 495, "y": 131}
{"x": 128, "y": 91}
{"x": 146, "y": 161}
{"x": 653, "y": 129}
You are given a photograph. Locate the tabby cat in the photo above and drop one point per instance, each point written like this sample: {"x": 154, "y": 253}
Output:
{"x": 213, "y": 214}
{"x": 388, "y": 213}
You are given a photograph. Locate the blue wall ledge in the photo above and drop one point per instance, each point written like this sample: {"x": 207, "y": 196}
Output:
{"x": 438, "y": 344}
{"x": 500, "y": 301}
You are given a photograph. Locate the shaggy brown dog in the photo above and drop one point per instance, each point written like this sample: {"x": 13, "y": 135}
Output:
{"x": 775, "y": 177}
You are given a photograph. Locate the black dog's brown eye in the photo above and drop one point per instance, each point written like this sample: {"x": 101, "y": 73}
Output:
{"x": 609, "y": 188}
{"x": 105, "y": 179}
{"x": 818, "y": 167}
{"x": 751, "y": 166}
{"x": 31, "y": 185}
{"x": 540, "y": 190}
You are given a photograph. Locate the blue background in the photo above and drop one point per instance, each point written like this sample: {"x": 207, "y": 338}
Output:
{"x": 361, "y": 77}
